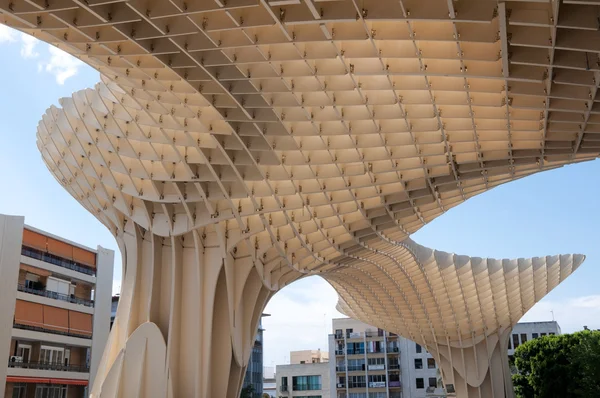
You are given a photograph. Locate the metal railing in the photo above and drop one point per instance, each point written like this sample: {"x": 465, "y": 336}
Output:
{"x": 49, "y": 366}
{"x": 306, "y": 387}
{"x": 52, "y": 259}
{"x": 55, "y": 295}
{"x": 283, "y": 388}
{"x": 44, "y": 330}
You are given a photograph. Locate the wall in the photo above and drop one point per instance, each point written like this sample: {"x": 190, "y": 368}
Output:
{"x": 102, "y": 305}
{"x": 296, "y": 357}
{"x": 11, "y": 236}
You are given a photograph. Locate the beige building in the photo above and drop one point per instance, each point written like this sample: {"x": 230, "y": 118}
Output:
{"x": 54, "y": 312}
{"x": 235, "y": 147}
{"x": 303, "y": 380}
{"x": 308, "y": 356}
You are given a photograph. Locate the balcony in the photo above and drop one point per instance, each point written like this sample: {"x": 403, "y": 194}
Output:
{"x": 357, "y": 385}
{"x": 283, "y": 388}
{"x": 394, "y": 384}
{"x": 341, "y": 385}
{"x": 377, "y": 384}
{"x": 339, "y": 352}
{"x": 307, "y": 387}
{"x": 58, "y": 261}
{"x": 44, "y": 330}
{"x": 340, "y": 368}
{"x": 392, "y": 350}
{"x": 393, "y": 366}
{"x": 358, "y": 351}
{"x": 48, "y": 366}
{"x": 55, "y": 295}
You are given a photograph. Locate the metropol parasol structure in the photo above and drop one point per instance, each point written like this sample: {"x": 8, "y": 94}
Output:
{"x": 235, "y": 146}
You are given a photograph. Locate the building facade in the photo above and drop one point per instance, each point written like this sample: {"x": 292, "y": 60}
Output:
{"x": 269, "y": 382}
{"x": 254, "y": 371}
{"x": 54, "y": 312}
{"x": 307, "y": 380}
{"x": 308, "y": 356}
{"x": 372, "y": 363}
{"x": 525, "y": 331}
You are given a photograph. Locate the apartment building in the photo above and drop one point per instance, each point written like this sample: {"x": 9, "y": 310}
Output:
{"x": 303, "y": 380}
{"x": 269, "y": 382}
{"x": 55, "y": 298}
{"x": 525, "y": 331}
{"x": 308, "y": 356}
{"x": 372, "y": 363}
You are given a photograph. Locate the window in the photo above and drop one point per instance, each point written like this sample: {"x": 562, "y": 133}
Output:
{"x": 19, "y": 390}
{"x": 430, "y": 363}
{"x": 432, "y": 382}
{"x": 50, "y": 391}
{"x": 418, "y": 348}
{"x": 356, "y": 382}
{"x": 376, "y": 361}
{"x": 418, "y": 363}
{"x": 523, "y": 338}
{"x": 515, "y": 340}
{"x": 24, "y": 351}
{"x": 543, "y": 334}
{"x": 420, "y": 382}
{"x": 509, "y": 344}
{"x": 302, "y": 362}
{"x": 306, "y": 383}
{"x": 551, "y": 334}
{"x": 51, "y": 355}
{"x": 348, "y": 331}
{"x": 284, "y": 385}
{"x": 376, "y": 378}
{"x": 339, "y": 333}
{"x": 534, "y": 335}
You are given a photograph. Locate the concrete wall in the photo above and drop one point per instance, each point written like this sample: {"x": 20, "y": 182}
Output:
{"x": 308, "y": 356}
{"x": 11, "y": 237}
{"x": 102, "y": 307}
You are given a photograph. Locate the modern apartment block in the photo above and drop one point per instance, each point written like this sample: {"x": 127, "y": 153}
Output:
{"x": 525, "y": 331}
{"x": 55, "y": 298}
{"x": 372, "y": 363}
{"x": 308, "y": 356}
{"x": 306, "y": 380}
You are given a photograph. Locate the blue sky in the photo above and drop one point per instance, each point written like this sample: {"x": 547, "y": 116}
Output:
{"x": 556, "y": 212}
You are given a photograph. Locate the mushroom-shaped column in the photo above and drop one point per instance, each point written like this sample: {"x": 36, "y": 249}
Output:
{"x": 461, "y": 309}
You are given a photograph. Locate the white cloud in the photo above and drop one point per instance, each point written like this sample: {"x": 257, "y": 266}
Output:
{"x": 7, "y": 35}
{"x": 61, "y": 65}
{"x": 571, "y": 314}
{"x": 300, "y": 319}
{"x": 28, "y": 47}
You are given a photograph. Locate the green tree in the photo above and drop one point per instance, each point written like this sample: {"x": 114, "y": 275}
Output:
{"x": 559, "y": 366}
{"x": 247, "y": 392}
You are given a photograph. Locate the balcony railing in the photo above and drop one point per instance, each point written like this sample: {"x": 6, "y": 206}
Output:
{"x": 307, "y": 387}
{"x": 356, "y": 351}
{"x": 394, "y": 366}
{"x": 49, "y": 366}
{"x": 43, "y": 330}
{"x": 394, "y": 383}
{"x": 52, "y": 259}
{"x": 283, "y": 388}
{"x": 357, "y": 385}
{"x": 393, "y": 349}
{"x": 55, "y": 295}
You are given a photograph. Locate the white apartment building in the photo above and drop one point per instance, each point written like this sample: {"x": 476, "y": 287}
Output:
{"x": 307, "y": 380}
{"x": 372, "y": 363}
{"x": 269, "y": 383}
{"x": 525, "y": 331}
{"x": 55, "y": 302}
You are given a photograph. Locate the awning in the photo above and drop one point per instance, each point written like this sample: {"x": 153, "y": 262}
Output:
{"x": 43, "y": 380}
{"x": 34, "y": 270}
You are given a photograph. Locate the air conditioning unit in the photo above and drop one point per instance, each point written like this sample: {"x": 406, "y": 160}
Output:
{"x": 340, "y": 385}
{"x": 16, "y": 359}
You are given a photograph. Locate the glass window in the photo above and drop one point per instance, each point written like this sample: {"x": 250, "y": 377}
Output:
{"x": 551, "y": 334}
{"x": 19, "y": 390}
{"x": 523, "y": 338}
{"x": 543, "y": 334}
{"x": 418, "y": 363}
{"x": 509, "y": 343}
{"x": 432, "y": 382}
{"x": 306, "y": 383}
{"x": 420, "y": 382}
{"x": 534, "y": 335}
{"x": 515, "y": 340}
{"x": 418, "y": 348}
{"x": 430, "y": 363}
{"x": 348, "y": 331}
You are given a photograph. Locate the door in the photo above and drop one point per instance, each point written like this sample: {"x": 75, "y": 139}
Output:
{"x": 24, "y": 351}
